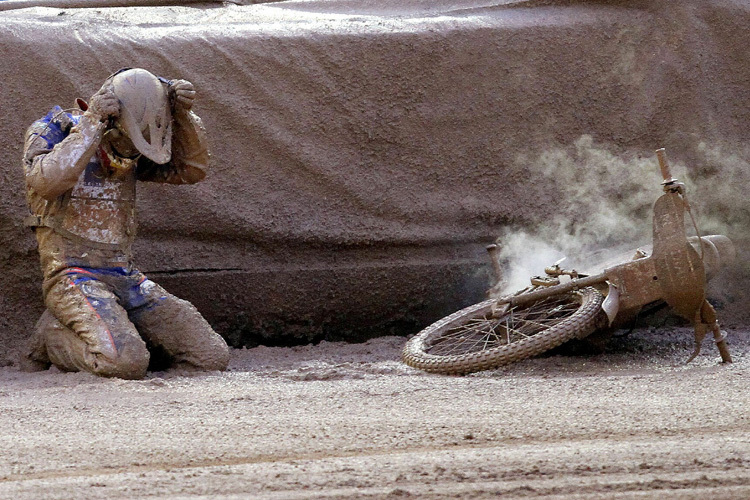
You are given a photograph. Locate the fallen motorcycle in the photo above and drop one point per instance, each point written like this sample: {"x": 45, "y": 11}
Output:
{"x": 564, "y": 305}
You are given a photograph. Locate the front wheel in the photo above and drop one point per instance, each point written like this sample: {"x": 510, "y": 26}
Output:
{"x": 485, "y": 335}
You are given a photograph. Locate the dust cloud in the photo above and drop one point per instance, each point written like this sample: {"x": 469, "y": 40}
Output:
{"x": 604, "y": 201}
{"x": 719, "y": 194}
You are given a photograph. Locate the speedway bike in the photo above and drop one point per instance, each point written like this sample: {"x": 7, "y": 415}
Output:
{"x": 563, "y": 304}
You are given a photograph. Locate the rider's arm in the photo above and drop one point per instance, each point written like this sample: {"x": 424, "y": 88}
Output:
{"x": 190, "y": 156}
{"x": 56, "y": 151}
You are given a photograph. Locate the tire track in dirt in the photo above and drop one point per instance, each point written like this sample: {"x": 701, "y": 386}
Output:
{"x": 650, "y": 442}
{"x": 434, "y": 472}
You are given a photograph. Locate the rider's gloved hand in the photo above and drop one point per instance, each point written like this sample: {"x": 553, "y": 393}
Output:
{"x": 182, "y": 94}
{"x": 104, "y": 104}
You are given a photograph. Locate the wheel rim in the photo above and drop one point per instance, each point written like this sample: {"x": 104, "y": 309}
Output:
{"x": 514, "y": 325}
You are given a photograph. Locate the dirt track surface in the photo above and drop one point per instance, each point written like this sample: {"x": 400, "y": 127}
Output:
{"x": 349, "y": 420}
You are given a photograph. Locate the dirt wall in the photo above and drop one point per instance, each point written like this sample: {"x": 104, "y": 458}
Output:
{"x": 364, "y": 153}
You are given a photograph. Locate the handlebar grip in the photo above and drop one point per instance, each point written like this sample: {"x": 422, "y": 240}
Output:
{"x": 661, "y": 155}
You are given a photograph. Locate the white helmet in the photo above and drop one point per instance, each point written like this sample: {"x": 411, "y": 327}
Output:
{"x": 144, "y": 113}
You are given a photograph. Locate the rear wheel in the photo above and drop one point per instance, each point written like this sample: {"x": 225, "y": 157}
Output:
{"x": 486, "y": 335}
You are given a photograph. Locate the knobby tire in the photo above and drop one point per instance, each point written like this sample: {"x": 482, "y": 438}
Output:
{"x": 472, "y": 339}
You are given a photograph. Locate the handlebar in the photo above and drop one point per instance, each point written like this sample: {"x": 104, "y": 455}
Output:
{"x": 670, "y": 184}
{"x": 575, "y": 284}
{"x": 661, "y": 155}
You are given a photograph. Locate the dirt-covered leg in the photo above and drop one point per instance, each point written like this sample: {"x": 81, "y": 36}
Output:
{"x": 87, "y": 330}
{"x": 175, "y": 326}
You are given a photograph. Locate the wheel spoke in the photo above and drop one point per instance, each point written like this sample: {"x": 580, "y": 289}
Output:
{"x": 482, "y": 333}
{"x": 462, "y": 340}
{"x": 465, "y": 338}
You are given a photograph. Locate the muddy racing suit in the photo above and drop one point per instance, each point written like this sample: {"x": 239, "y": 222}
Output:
{"x": 103, "y": 315}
